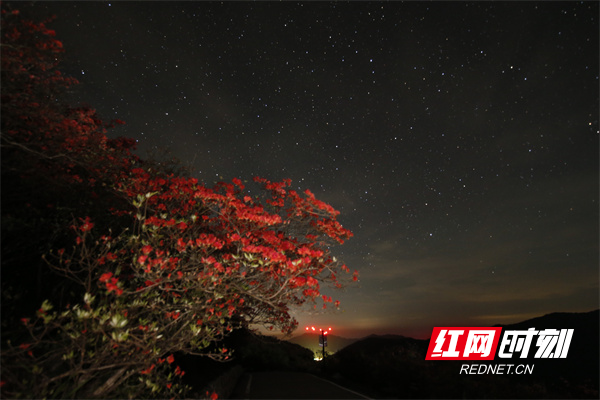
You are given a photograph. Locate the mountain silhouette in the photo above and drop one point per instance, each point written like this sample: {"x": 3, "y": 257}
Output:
{"x": 311, "y": 342}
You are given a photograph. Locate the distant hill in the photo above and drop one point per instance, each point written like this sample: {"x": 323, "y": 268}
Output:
{"x": 311, "y": 342}
{"x": 393, "y": 366}
{"x": 559, "y": 320}
{"x": 395, "y": 346}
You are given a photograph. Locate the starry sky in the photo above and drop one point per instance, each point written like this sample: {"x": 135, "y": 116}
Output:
{"x": 458, "y": 140}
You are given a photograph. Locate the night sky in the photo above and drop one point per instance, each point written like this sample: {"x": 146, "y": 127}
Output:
{"x": 458, "y": 140}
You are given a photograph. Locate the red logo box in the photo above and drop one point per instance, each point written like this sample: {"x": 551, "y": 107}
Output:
{"x": 460, "y": 343}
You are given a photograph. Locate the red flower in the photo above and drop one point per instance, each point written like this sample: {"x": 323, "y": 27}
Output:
{"x": 112, "y": 286}
{"x": 111, "y": 283}
{"x": 87, "y": 225}
{"x": 181, "y": 244}
{"x": 310, "y": 281}
{"x": 298, "y": 281}
{"x": 170, "y": 359}
{"x": 105, "y": 277}
{"x": 147, "y": 370}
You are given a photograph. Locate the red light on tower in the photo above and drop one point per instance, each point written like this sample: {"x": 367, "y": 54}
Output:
{"x": 322, "y": 338}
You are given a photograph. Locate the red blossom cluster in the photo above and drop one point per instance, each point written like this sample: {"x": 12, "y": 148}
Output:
{"x": 218, "y": 224}
{"x": 111, "y": 283}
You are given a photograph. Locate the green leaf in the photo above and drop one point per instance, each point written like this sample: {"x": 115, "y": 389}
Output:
{"x": 82, "y": 314}
{"x": 120, "y": 336}
{"x": 118, "y": 321}
{"x": 88, "y": 298}
{"x": 73, "y": 334}
{"x": 46, "y": 306}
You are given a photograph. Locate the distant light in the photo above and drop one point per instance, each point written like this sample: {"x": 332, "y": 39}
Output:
{"x": 313, "y": 328}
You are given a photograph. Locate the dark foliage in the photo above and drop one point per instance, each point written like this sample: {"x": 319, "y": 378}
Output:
{"x": 251, "y": 352}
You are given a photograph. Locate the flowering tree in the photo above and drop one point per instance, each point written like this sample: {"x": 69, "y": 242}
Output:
{"x": 180, "y": 266}
{"x": 196, "y": 264}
